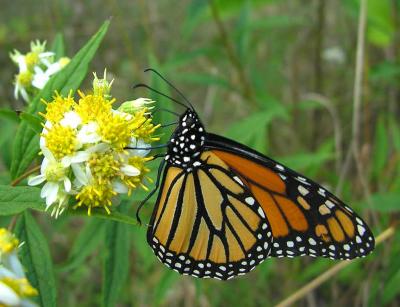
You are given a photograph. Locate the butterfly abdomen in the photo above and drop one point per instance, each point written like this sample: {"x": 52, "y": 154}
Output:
{"x": 187, "y": 142}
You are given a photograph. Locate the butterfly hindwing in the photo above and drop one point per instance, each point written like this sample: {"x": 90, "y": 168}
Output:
{"x": 206, "y": 222}
{"x": 305, "y": 218}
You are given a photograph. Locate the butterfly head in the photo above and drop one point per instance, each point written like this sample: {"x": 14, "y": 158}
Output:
{"x": 187, "y": 141}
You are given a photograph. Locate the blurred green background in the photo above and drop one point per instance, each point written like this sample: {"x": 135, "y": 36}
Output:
{"x": 275, "y": 75}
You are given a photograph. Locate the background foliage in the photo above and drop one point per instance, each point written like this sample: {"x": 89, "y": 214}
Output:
{"x": 275, "y": 75}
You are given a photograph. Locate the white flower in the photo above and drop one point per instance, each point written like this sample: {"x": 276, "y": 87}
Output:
{"x": 20, "y": 89}
{"x": 19, "y": 59}
{"x": 133, "y": 106}
{"x": 71, "y": 119}
{"x": 334, "y": 55}
{"x": 41, "y": 77}
{"x": 88, "y": 133}
{"x": 7, "y": 296}
{"x": 129, "y": 170}
{"x": 120, "y": 187}
{"x": 56, "y": 175}
{"x": 140, "y": 144}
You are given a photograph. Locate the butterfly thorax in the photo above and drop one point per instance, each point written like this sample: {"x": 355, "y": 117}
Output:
{"x": 186, "y": 143}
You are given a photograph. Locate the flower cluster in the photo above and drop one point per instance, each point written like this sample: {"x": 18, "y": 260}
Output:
{"x": 91, "y": 151}
{"x": 15, "y": 288}
{"x": 35, "y": 69}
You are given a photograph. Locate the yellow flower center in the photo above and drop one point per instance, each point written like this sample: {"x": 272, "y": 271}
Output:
{"x": 64, "y": 61}
{"x": 144, "y": 127}
{"x": 116, "y": 130}
{"x": 103, "y": 166}
{"x": 31, "y": 59}
{"x": 8, "y": 242}
{"x": 61, "y": 141}
{"x": 25, "y": 78}
{"x": 91, "y": 107}
{"x": 96, "y": 195}
{"x": 55, "y": 172}
{"x": 21, "y": 286}
{"x": 55, "y": 109}
{"x": 139, "y": 163}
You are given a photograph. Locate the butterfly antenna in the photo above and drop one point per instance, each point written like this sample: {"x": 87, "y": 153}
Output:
{"x": 171, "y": 85}
{"x": 166, "y": 110}
{"x": 160, "y": 168}
{"x": 159, "y": 93}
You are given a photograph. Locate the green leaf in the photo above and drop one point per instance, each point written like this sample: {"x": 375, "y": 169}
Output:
{"x": 306, "y": 160}
{"x": 26, "y": 144}
{"x": 395, "y": 131}
{"x": 165, "y": 283}
{"x": 101, "y": 213}
{"x": 58, "y": 46}
{"x": 9, "y": 114}
{"x": 204, "y": 79}
{"x": 116, "y": 260}
{"x": 386, "y": 202}
{"x": 14, "y": 200}
{"x": 89, "y": 238}
{"x": 381, "y": 28}
{"x": 36, "y": 258}
{"x": 392, "y": 288}
{"x": 380, "y": 147}
{"x": 33, "y": 121}
{"x": 256, "y": 126}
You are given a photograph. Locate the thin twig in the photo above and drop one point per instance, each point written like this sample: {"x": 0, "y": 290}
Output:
{"x": 354, "y": 147}
{"x": 315, "y": 283}
{"x": 23, "y": 176}
{"x": 357, "y": 100}
{"x": 246, "y": 87}
{"x": 337, "y": 127}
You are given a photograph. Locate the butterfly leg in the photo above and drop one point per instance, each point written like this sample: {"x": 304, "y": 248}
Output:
{"x": 160, "y": 168}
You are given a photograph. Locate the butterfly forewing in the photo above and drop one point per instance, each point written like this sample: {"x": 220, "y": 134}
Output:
{"x": 207, "y": 223}
{"x": 305, "y": 218}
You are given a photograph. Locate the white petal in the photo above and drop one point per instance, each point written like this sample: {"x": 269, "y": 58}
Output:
{"x": 42, "y": 140}
{"x": 66, "y": 161}
{"x": 22, "y": 64}
{"x": 48, "y": 154}
{"x": 5, "y": 272}
{"x": 71, "y": 119}
{"x": 16, "y": 90}
{"x": 119, "y": 187}
{"x": 53, "y": 68}
{"x": 44, "y": 165}
{"x": 88, "y": 133}
{"x": 67, "y": 184}
{"x": 15, "y": 265}
{"x": 101, "y": 147}
{"x": 24, "y": 94}
{"x": 36, "y": 180}
{"x": 46, "y": 54}
{"x": 88, "y": 172}
{"x": 80, "y": 156}
{"x": 7, "y": 296}
{"x": 27, "y": 303}
{"x": 45, "y": 190}
{"x": 130, "y": 170}
{"x": 52, "y": 195}
{"x": 80, "y": 175}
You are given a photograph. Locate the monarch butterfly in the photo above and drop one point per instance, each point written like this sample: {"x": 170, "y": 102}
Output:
{"x": 223, "y": 208}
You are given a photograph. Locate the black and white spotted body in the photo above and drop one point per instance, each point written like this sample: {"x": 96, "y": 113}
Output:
{"x": 186, "y": 142}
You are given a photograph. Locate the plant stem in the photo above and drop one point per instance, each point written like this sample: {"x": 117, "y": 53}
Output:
{"x": 246, "y": 87}
{"x": 23, "y": 176}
